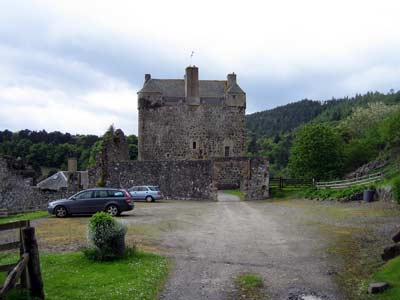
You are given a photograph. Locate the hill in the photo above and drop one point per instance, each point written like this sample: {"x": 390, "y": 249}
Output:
{"x": 283, "y": 119}
{"x": 359, "y": 121}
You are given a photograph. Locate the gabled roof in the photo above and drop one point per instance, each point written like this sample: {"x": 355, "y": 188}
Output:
{"x": 60, "y": 180}
{"x": 176, "y": 88}
{"x": 235, "y": 89}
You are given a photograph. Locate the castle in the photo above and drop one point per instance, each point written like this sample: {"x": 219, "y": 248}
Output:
{"x": 191, "y": 141}
{"x": 185, "y": 119}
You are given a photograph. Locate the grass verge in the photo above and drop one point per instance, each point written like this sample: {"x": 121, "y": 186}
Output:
{"x": 250, "y": 287}
{"x": 389, "y": 273}
{"x": 72, "y": 276}
{"x": 26, "y": 216}
{"x": 237, "y": 193}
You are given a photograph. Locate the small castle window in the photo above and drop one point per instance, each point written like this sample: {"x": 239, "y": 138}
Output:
{"x": 227, "y": 150}
{"x": 194, "y": 145}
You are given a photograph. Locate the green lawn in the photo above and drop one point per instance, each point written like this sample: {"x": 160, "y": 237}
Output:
{"x": 389, "y": 273}
{"x": 26, "y": 216}
{"x": 72, "y": 276}
{"x": 237, "y": 193}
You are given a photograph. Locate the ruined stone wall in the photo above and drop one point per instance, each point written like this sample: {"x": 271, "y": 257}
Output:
{"x": 256, "y": 185}
{"x": 229, "y": 173}
{"x": 17, "y": 192}
{"x": 177, "y": 179}
{"x": 179, "y": 131}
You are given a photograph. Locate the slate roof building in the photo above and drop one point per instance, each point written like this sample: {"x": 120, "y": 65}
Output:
{"x": 186, "y": 119}
{"x": 62, "y": 180}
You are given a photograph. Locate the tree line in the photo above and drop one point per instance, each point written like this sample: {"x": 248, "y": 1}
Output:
{"x": 52, "y": 149}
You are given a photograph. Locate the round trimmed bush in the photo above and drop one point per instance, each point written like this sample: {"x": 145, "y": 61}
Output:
{"x": 107, "y": 235}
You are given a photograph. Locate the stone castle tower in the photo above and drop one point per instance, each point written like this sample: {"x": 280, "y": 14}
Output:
{"x": 190, "y": 119}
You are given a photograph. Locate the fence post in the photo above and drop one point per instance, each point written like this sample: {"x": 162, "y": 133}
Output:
{"x": 24, "y": 274}
{"x": 280, "y": 183}
{"x": 34, "y": 274}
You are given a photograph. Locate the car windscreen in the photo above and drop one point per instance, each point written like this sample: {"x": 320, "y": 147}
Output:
{"x": 154, "y": 188}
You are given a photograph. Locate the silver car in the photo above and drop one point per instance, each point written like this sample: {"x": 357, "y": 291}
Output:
{"x": 147, "y": 193}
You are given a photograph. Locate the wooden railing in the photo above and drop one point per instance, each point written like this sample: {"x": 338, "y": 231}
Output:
{"x": 338, "y": 184}
{"x": 280, "y": 182}
{"x": 27, "y": 268}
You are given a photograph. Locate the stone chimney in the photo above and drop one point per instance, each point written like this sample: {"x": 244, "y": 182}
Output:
{"x": 72, "y": 165}
{"x": 147, "y": 77}
{"x": 231, "y": 79}
{"x": 192, "y": 93}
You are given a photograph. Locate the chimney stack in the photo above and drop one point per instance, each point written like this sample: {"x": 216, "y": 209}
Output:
{"x": 147, "y": 77}
{"x": 231, "y": 79}
{"x": 192, "y": 93}
{"x": 72, "y": 165}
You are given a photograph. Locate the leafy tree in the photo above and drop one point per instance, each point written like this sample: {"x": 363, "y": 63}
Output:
{"x": 316, "y": 152}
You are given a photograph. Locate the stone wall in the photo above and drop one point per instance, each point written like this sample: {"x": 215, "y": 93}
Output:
{"x": 178, "y": 131}
{"x": 256, "y": 185}
{"x": 18, "y": 192}
{"x": 177, "y": 179}
{"x": 228, "y": 173}
{"x": 195, "y": 179}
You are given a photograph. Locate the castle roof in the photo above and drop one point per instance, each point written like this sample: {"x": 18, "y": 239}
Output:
{"x": 176, "y": 88}
{"x": 235, "y": 89}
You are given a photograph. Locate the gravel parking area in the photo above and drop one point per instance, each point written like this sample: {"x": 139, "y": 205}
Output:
{"x": 298, "y": 247}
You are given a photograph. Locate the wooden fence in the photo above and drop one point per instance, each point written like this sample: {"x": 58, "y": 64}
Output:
{"x": 280, "y": 183}
{"x": 27, "y": 268}
{"x": 339, "y": 184}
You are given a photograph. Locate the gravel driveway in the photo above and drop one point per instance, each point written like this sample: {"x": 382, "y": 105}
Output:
{"x": 230, "y": 238}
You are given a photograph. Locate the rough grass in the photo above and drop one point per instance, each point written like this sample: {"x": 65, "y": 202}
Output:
{"x": 327, "y": 193}
{"x": 26, "y": 216}
{"x": 249, "y": 286}
{"x": 285, "y": 193}
{"x": 72, "y": 276}
{"x": 237, "y": 193}
{"x": 355, "y": 238}
{"x": 389, "y": 273}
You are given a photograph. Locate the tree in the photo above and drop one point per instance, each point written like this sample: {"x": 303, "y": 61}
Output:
{"x": 316, "y": 152}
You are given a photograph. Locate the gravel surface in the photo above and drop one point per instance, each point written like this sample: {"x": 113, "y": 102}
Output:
{"x": 237, "y": 237}
{"x": 298, "y": 247}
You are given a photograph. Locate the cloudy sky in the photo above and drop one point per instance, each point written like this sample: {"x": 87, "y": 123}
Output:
{"x": 76, "y": 65}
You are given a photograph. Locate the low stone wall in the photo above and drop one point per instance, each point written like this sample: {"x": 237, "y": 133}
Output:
{"x": 18, "y": 194}
{"x": 176, "y": 179}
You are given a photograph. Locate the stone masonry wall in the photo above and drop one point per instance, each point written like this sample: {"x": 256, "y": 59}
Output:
{"x": 168, "y": 132}
{"x": 177, "y": 179}
{"x": 18, "y": 194}
{"x": 256, "y": 185}
{"x": 228, "y": 173}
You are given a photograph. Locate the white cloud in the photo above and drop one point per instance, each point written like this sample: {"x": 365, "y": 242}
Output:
{"x": 75, "y": 65}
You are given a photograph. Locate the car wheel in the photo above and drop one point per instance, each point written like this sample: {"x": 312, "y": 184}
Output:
{"x": 112, "y": 210}
{"x": 149, "y": 199}
{"x": 60, "y": 212}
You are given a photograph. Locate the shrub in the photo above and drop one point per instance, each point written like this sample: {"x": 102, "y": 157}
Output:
{"x": 107, "y": 236}
{"x": 396, "y": 188}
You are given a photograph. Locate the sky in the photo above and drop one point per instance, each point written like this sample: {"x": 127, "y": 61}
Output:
{"x": 76, "y": 66}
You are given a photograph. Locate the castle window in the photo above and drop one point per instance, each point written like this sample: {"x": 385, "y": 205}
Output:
{"x": 227, "y": 150}
{"x": 194, "y": 145}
